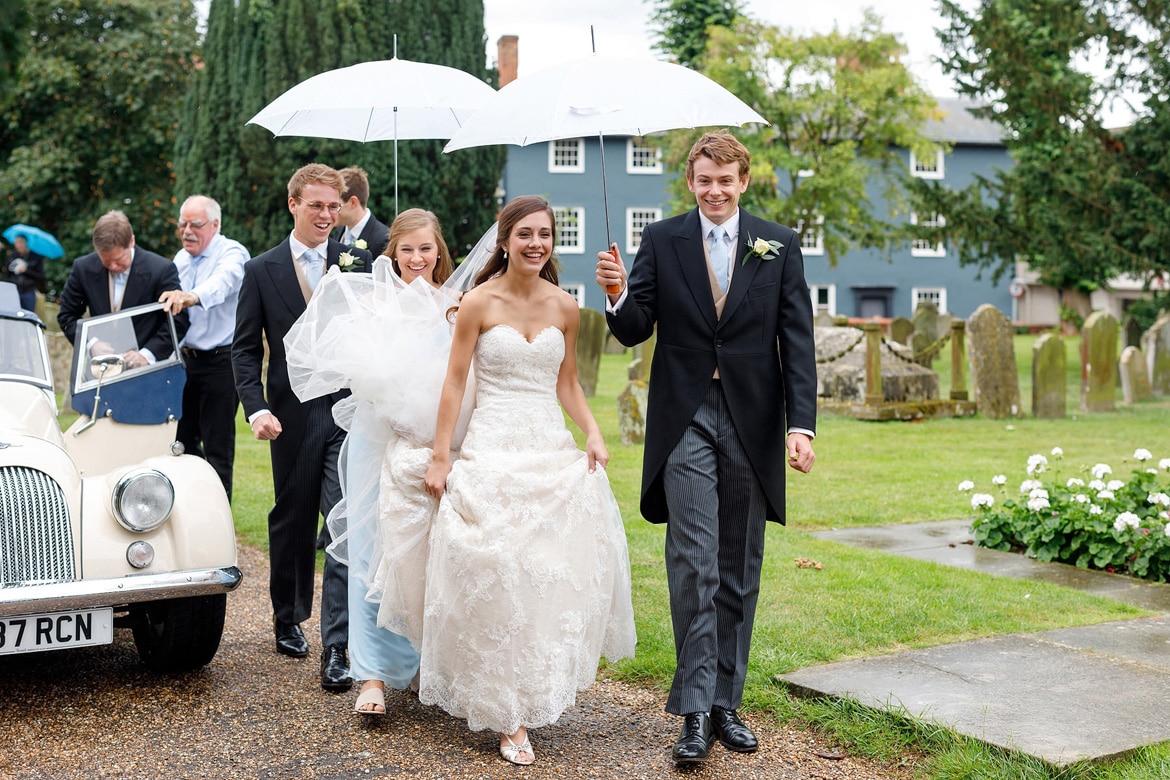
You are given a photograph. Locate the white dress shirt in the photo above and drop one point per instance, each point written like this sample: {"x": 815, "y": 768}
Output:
{"x": 215, "y": 276}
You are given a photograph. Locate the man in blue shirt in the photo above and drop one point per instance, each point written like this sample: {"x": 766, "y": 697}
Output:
{"x": 211, "y": 268}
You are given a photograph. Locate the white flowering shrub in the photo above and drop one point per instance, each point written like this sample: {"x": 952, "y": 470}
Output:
{"x": 1122, "y": 525}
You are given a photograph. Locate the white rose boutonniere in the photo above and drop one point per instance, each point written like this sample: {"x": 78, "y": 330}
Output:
{"x": 347, "y": 261}
{"x": 360, "y": 243}
{"x": 762, "y": 248}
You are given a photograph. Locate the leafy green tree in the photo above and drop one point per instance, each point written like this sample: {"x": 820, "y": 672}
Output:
{"x": 13, "y": 21}
{"x": 1082, "y": 203}
{"x": 255, "y": 50}
{"x": 683, "y": 24}
{"x": 840, "y": 107}
{"x": 91, "y": 123}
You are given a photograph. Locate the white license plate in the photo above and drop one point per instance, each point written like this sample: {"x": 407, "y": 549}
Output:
{"x": 56, "y": 630}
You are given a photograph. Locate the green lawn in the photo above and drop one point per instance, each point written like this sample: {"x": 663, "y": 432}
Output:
{"x": 862, "y": 602}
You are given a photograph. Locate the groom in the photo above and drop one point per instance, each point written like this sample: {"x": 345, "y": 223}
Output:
{"x": 305, "y": 442}
{"x": 733, "y": 376}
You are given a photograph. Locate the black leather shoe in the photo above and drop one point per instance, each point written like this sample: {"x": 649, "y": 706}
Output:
{"x": 290, "y": 640}
{"x": 732, "y": 732}
{"x": 695, "y": 741}
{"x": 335, "y": 669}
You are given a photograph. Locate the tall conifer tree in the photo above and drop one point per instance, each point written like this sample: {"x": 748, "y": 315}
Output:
{"x": 257, "y": 49}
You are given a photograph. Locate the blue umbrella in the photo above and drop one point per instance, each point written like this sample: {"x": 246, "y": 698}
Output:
{"x": 39, "y": 241}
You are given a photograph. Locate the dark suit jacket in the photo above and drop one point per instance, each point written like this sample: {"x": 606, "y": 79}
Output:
{"x": 88, "y": 287}
{"x": 762, "y": 345}
{"x": 270, "y": 302}
{"x": 377, "y": 237}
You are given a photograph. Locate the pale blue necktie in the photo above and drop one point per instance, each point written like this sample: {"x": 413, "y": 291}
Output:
{"x": 311, "y": 262}
{"x": 719, "y": 257}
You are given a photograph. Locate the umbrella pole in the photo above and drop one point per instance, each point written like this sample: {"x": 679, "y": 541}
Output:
{"x": 396, "y": 158}
{"x": 604, "y": 191}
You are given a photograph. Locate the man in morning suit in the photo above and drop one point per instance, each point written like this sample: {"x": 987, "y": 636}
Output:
{"x": 305, "y": 442}
{"x": 359, "y": 227}
{"x": 733, "y": 380}
{"x": 119, "y": 275}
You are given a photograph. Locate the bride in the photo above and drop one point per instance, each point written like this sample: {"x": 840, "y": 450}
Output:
{"x": 528, "y": 577}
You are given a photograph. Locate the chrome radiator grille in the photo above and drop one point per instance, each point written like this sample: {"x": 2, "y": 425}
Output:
{"x": 36, "y": 539}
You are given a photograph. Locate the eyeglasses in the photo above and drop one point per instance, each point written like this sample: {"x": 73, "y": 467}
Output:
{"x": 183, "y": 225}
{"x": 334, "y": 208}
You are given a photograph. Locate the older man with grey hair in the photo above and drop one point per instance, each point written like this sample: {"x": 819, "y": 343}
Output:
{"x": 211, "y": 269}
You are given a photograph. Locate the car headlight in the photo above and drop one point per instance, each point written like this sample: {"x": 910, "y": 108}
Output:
{"x": 143, "y": 500}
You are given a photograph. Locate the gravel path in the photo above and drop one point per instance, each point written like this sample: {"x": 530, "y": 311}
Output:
{"x": 96, "y": 713}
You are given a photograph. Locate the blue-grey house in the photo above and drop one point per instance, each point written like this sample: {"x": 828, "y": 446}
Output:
{"x": 863, "y": 284}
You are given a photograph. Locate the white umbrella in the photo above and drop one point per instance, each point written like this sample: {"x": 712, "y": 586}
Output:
{"x": 377, "y": 101}
{"x": 601, "y": 95}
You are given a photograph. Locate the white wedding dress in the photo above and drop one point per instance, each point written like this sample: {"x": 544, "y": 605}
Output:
{"x": 527, "y": 574}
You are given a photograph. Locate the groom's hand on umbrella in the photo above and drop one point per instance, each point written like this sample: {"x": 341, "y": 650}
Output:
{"x": 611, "y": 273}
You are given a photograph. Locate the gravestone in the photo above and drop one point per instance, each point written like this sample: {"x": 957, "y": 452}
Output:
{"x": 994, "y": 376}
{"x": 1135, "y": 382}
{"x": 823, "y": 320}
{"x": 632, "y": 400}
{"x": 1049, "y": 377}
{"x": 632, "y": 405}
{"x": 1099, "y": 362}
{"x": 925, "y": 332}
{"x": 926, "y": 320}
{"x": 1131, "y": 333}
{"x": 613, "y": 346}
{"x": 901, "y": 329}
{"x": 590, "y": 342}
{"x": 1156, "y": 345}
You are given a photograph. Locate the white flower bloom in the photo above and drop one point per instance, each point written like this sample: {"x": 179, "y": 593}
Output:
{"x": 1115, "y": 484}
{"x": 1028, "y": 485}
{"x": 1038, "y": 503}
{"x": 1105, "y": 495}
{"x": 1096, "y": 484}
{"x": 1167, "y": 525}
{"x": 1142, "y": 454}
{"x": 1037, "y": 464}
{"x": 999, "y": 479}
{"x": 1057, "y": 452}
{"x": 1164, "y": 463}
{"x": 1127, "y": 519}
{"x": 980, "y": 500}
{"x": 1095, "y": 510}
{"x": 1151, "y": 471}
{"x": 1038, "y": 493}
{"x": 1101, "y": 470}
{"x": 1075, "y": 482}
{"x": 966, "y": 485}
{"x": 1081, "y": 498}
{"x": 1158, "y": 499}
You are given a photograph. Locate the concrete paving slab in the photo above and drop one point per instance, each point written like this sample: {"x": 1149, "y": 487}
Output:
{"x": 1062, "y": 696}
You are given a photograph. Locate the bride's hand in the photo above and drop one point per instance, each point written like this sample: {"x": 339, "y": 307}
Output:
{"x": 595, "y": 449}
{"x": 435, "y": 481}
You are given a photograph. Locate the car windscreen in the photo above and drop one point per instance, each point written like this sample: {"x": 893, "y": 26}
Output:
{"x": 23, "y": 355}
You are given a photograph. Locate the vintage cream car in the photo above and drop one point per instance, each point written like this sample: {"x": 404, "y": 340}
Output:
{"x": 107, "y": 523}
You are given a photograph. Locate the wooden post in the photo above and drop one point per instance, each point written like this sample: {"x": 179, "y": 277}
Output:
{"x": 873, "y": 363}
{"x": 958, "y": 360}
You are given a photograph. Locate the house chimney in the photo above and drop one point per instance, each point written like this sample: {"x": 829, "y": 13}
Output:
{"x": 507, "y": 58}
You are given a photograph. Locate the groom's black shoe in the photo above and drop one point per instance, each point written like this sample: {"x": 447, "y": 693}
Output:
{"x": 335, "y": 669}
{"x": 290, "y": 640}
{"x": 695, "y": 741}
{"x": 732, "y": 732}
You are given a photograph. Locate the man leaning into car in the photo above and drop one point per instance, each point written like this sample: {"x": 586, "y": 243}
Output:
{"x": 118, "y": 275}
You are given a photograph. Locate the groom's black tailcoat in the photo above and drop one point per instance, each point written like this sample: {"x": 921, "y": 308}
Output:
{"x": 305, "y": 483}
{"x": 762, "y": 346}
